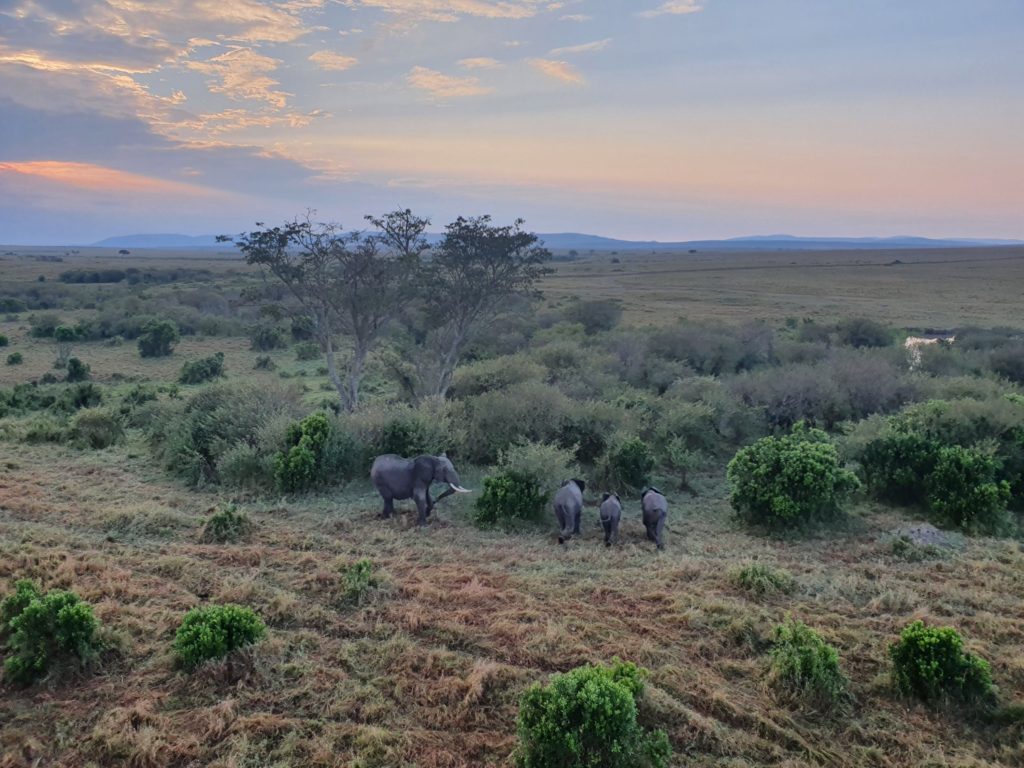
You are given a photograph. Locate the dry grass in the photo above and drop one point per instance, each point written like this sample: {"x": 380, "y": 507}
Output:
{"x": 428, "y": 671}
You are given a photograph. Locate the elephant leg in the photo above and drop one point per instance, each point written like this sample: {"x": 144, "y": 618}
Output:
{"x": 615, "y": 532}
{"x": 607, "y": 525}
{"x": 389, "y": 507}
{"x": 576, "y": 523}
{"x": 421, "y": 508}
{"x": 659, "y": 536}
{"x": 430, "y": 503}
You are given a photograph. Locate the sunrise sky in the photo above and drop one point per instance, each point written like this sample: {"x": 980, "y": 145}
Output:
{"x": 646, "y": 119}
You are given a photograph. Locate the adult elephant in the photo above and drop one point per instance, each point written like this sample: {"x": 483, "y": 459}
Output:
{"x": 397, "y": 478}
{"x": 569, "y": 509}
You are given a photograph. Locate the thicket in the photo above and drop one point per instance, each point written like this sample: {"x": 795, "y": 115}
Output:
{"x": 589, "y": 717}
{"x": 158, "y": 338}
{"x": 524, "y": 480}
{"x": 227, "y": 524}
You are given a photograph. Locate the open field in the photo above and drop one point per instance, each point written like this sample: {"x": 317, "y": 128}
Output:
{"x": 428, "y": 671}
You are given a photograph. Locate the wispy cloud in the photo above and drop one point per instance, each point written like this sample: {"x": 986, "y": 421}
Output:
{"x": 575, "y": 17}
{"x": 482, "y": 62}
{"x": 335, "y": 62}
{"x": 453, "y": 10}
{"x": 597, "y": 45}
{"x": 562, "y": 71}
{"x": 242, "y": 74}
{"x": 442, "y": 86}
{"x": 99, "y": 178}
{"x": 674, "y": 7}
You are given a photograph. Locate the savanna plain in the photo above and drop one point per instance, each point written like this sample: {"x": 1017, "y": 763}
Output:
{"x": 629, "y": 369}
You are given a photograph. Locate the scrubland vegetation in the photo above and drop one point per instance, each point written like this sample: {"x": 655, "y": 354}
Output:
{"x": 193, "y": 571}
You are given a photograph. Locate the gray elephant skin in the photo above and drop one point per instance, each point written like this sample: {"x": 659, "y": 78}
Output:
{"x": 655, "y": 509}
{"x": 611, "y": 514}
{"x": 397, "y": 478}
{"x": 569, "y": 509}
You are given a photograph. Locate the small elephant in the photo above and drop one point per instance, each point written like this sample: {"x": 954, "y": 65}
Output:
{"x": 611, "y": 513}
{"x": 398, "y": 478}
{"x": 569, "y": 509}
{"x": 655, "y": 510}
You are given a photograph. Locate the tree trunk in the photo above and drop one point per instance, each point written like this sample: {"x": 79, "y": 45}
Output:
{"x": 448, "y": 363}
{"x": 332, "y": 372}
{"x": 355, "y": 375}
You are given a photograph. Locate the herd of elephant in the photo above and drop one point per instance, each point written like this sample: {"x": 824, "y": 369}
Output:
{"x": 398, "y": 478}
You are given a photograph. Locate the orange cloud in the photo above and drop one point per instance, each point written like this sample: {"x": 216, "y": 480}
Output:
{"x": 97, "y": 178}
{"x": 558, "y": 70}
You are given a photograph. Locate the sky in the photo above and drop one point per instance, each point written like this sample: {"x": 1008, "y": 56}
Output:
{"x": 640, "y": 119}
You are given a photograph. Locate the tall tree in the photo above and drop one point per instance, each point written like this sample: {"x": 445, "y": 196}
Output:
{"x": 349, "y": 283}
{"x": 473, "y": 273}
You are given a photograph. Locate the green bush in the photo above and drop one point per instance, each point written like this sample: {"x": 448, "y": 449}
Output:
{"x": 863, "y": 332}
{"x": 963, "y": 490}
{"x": 15, "y": 358}
{"x": 25, "y": 591}
{"x": 3, "y": 340}
{"x": 264, "y": 363}
{"x": 930, "y": 663}
{"x": 493, "y": 421}
{"x": 587, "y": 718}
{"x": 805, "y": 667}
{"x": 358, "y": 580}
{"x": 319, "y": 451}
{"x": 403, "y": 430}
{"x": 307, "y": 350}
{"x": 46, "y": 633}
{"x": 526, "y": 476}
{"x": 264, "y": 338}
{"x": 77, "y": 371}
{"x": 627, "y": 466}
{"x": 202, "y": 370}
{"x": 215, "y": 631}
{"x": 760, "y": 579}
{"x": 95, "y": 428}
{"x": 789, "y": 481}
{"x": 508, "y": 497}
{"x": 226, "y": 525}
{"x": 594, "y": 315}
{"x": 493, "y": 374}
{"x": 158, "y": 338}
{"x": 896, "y": 464}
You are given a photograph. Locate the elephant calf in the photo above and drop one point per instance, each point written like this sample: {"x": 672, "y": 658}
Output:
{"x": 655, "y": 510}
{"x": 398, "y": 478}
{"x": 569, "y": 509}
{"x": 611, "y": 513}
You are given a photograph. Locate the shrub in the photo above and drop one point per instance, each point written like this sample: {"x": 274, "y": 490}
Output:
{"x": 863, "y": 332}
{"x": 15, "y": 358}
{"x": 96, "y": 429}
{"x": 761, "y": 580}
{"x": 3, "y": 340}
{"x": 896, "y": 464}
{"x": 204, "y": 369}
{"x": 358, "y": 580}
{"x": 43, "y": 325}
{"x": 46, "y": 633}
{"x": 962, "y": 489}
{"x": 404, "y": 430}
{"x": 527, "y": 473}
{"x": 226, "y": 525}
{"x": 930, "y": 663}
{"x": 594, "y": 315}
{"x": 25, "y": 591}
{"x": 788, "y": 481}
{"x": 302, "y": 328}
{"x": 805, "y": 667}
{"x": 493, "y": 421}
{"x": 264, "y": 338}
{"x": 215, "y": 631}
{"x": 1007, "y": 361}
{"x": 264, "y": 363}
{"x": 493, "y": 374}
{"x": 77, "y": 371}
{"x": 627, "y": 466}
{"x": 509, "y": 496}
{"x": 158, "y": 338}
{"x": 307, "y": 350}
{"x": 588, "y": 717}
{"x": 319, "y": 451}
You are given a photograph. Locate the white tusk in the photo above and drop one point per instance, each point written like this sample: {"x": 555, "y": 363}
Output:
{"x": 460, "y": 489}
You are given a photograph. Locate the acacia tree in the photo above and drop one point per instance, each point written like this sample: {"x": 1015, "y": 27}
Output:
{"x": 348, "y": 282}
{"x": 473, "y": 274}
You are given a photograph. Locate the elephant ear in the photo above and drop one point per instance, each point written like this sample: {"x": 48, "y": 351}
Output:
{"x": 606, "y": 496}
{"x": 581, "y": 484}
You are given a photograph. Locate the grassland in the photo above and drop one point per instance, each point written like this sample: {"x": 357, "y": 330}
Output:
{"x": 428, "y": 670}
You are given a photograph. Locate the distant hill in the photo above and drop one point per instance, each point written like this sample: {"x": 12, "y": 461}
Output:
{"x": 566, "y": 241}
